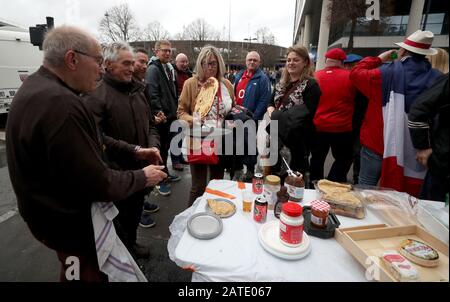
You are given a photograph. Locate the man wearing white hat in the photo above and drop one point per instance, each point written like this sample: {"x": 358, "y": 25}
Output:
{"x": 387, "y": 153}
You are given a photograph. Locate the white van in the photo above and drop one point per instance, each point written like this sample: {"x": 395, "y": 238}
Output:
{"x": 18, "y": 59}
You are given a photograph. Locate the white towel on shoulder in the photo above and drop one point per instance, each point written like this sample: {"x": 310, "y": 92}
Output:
{"x": 113, "y": 257}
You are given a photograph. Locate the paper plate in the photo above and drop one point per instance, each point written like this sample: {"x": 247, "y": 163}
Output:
{"x": 204, "y": 226}
{"x": 209, "y": 210}
{"x": 269, "y": 238}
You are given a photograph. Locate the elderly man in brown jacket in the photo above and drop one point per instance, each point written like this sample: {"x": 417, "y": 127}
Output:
{"x": 122, "y": 112}
{"x": 55, "y": 152}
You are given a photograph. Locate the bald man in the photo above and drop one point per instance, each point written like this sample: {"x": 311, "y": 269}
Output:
{"x": 182, "y": 71}
{"x": 252, "y": 87}
{"x": 253, "y": 91}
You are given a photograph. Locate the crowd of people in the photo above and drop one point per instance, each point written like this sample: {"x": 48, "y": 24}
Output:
{"x": 93, "y": 125}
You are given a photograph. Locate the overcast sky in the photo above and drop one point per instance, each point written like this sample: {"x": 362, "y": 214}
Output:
{"x": 246, "y": 15}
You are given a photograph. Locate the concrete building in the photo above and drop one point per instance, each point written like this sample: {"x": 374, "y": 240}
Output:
{"x": 313, "y": 29}
{"x": 234, "y": 54}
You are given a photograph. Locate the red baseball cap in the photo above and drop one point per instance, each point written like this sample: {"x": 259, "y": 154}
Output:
{"x": 336, "y": 54}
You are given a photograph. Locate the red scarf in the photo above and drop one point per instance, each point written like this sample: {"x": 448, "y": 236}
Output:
{"x": 241, "y": 86}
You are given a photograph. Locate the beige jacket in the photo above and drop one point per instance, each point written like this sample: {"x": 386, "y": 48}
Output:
{"x": 188, "y": 96}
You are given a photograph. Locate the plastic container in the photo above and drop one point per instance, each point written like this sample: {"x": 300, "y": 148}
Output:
{"x": 328, "y": 232}
{"x": 291, "y": 224}
{"x": 282, "y": 198}
{"x": 344, "y": 203}
{"x": 271, "y": 188}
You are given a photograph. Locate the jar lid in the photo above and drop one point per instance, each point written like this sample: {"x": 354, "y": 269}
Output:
{"x": 292, "y": 209}
{"x": 273, "y": 180}
{"x": 320, "y": 206}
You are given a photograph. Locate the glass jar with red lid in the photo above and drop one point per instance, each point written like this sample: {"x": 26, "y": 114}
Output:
{"x": 319, "y": 213}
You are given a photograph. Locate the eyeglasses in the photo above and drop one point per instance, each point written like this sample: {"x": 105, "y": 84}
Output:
{"x": 212, "y": 64}
{"x": 98, "y": 59}
{"x": 165, "y": 50}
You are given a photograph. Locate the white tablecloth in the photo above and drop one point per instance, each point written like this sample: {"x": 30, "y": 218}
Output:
{"x": 236, "y": 254}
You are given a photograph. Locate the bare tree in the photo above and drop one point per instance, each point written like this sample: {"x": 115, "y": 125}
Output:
{"x": 155, "y": 32}
{"x": 200, "y": 30}
{"x": 265, "y": 36}
{"x": 181, "y": 35}
{"x": 118, "y": 24}
{"x": 344, "y": 11}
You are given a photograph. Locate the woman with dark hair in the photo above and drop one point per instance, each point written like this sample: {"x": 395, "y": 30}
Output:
{"x": 293, "y": 106}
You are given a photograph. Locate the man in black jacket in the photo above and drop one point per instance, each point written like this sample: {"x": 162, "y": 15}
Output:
{"x": 163, "y": 101}
{"x": 121, "y": 110}
{"x": 55, "y": 152}
{"x": 428, "y": 123}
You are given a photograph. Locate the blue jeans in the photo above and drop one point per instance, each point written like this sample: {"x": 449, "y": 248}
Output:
{"x": 370, "y": 170}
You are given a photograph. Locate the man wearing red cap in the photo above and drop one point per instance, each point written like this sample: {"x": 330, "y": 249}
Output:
{"x": 387, "y": 152}
{"x": 333, "y": 118}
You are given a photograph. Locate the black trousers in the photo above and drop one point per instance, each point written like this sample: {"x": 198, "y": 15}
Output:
{"x": 126, "y": 223}
{"x": 341, "y": 145}
{"x": 200, "y": 179}
{"x": 164, "y": 139}
{"x": 435, "y": 187}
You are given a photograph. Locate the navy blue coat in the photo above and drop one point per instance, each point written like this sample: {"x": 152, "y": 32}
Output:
{"x": 257, "y": 93}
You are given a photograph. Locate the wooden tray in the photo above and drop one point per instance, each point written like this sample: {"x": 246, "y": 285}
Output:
{"x": 372, "y": 240}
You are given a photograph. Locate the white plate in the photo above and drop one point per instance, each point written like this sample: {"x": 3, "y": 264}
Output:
{"x": 269, "y": 237}
{"x": 204, "y": 226}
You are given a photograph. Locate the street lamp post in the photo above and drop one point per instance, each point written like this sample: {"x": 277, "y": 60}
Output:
{"x": 250, "y": 39}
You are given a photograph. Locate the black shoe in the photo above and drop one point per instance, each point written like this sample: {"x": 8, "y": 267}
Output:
{"x": 146, "y": 220}
{"x": 140, "y": 251}
{"x": 150, "y": 207}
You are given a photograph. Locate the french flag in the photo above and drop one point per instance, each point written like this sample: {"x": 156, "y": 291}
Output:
{"x": 402, "y": 82}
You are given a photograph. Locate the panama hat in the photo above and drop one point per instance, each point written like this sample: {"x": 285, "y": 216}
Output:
{"x": 420, "y": 43}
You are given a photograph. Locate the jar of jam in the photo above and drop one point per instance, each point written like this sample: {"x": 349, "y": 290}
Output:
{"x": 258, "y": 183}
{"x": 291, "y": 224}
{"x": 260, "y": 209}
{"x": 296, "y": 187}
{"x": 282, "y": 198}
{"x": 319, "y": 213}
{"x": 271, "y": 188}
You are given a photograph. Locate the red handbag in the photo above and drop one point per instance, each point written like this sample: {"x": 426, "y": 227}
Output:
{"x": 208, "y": 154}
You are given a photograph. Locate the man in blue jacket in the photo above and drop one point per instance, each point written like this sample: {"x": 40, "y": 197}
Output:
{"x": 253, "y": 91}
